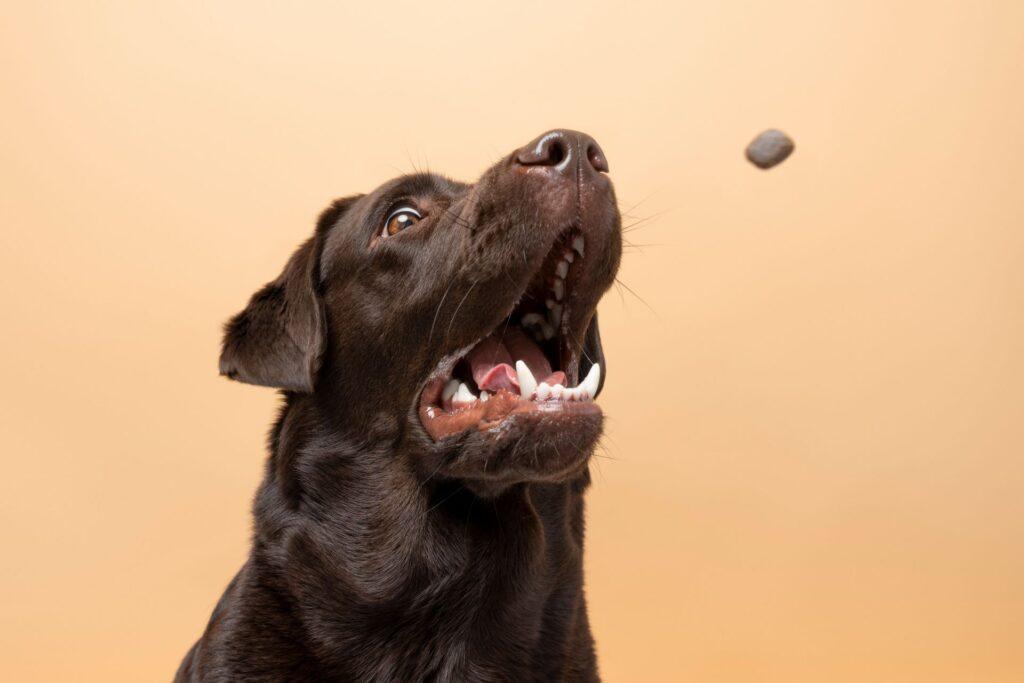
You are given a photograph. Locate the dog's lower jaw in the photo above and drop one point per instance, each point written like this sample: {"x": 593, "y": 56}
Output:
{"x": 361, "y": 569}
{"x": 538, "y": 446}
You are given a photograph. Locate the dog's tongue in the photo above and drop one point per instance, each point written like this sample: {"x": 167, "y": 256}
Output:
{"x": 492, "y": 361}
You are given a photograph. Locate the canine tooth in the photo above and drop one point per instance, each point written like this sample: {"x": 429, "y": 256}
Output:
{"x": 559, "y": 288}
{"x": 549, "y": 331}
{"x": 527, "y": 382}
{"x": 449, "y": 389}
{"x": 543, "y": 391}
{"x": 464, "y": 395}
{"x": 593, "y": 380}
{"x": 569, "y": 256}
{"x": 562, "y": 269}
{"x": 577, "y": 244}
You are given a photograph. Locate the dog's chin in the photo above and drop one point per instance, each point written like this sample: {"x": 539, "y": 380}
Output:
{"x": 548, "y": 444}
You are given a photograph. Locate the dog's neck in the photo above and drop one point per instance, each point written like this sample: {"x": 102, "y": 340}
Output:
{"x": 386, "y": 568}
{"x": 375, "y": 529}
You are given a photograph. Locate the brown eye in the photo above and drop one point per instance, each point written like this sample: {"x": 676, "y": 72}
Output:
{"x": 400, "y": 219}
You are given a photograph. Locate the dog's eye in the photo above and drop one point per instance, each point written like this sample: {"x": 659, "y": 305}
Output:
{"x": 400, "y": 219}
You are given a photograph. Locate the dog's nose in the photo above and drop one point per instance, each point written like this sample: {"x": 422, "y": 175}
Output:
{"x": 565, "y": 151}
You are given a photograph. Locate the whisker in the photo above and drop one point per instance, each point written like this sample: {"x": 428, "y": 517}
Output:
{"x": 437, "y": 469}
{"x": 408, "y": 156}
{"x": 438, "y": 311}
{"x": 456, "y": 313}
{"x": 637, "y": 204}
{"x": 641, "y": 299}
{"x": 607, "y": 437}
{"x": 457, "y": 219}
{"x": 445, "y": 499}
{"x": 618, "y": 288}
{"x": 640, "y": 222}
{"x": 494, "y": 359}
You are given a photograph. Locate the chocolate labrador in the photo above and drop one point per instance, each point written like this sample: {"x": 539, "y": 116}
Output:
{"x": 421, "y": 512}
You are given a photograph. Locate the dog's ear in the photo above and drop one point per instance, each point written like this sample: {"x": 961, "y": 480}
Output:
{"x": 279, "y": 338}
{"x": 593, "y": 352}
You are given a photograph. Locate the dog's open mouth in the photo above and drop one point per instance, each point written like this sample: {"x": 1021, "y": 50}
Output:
{"x": 527, "y": 365}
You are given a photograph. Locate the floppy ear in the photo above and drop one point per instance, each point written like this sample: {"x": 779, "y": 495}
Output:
{"x": 593, "y": 352}
{"x": 278, "y": 339}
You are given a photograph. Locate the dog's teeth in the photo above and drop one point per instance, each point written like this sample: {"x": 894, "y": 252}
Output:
{"x": 555, "y": 316}
{"x": 559, "y": 288}
{"x": 577, "y": 244}
{"x": 569, "y": 256}
{"x": 532, "y": 319}
{"x": 449, "y": 389}
{"x": 562, "y": 269}
{"x": 592, "y": 381}
{"x": 527, "y": 382}
{"x": 557, "y": 391}
{"x": 543, "y": 391}
{"x": 484, "y": 396}
{"x": 464, "y": 395}
{"x": 549, "y": 331}
{"x": 570, "y": 394}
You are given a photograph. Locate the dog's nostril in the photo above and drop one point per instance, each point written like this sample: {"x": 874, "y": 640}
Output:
{"x": 550, "y": 149}
{"x": 555, "y": 152}
{"x": 596, "y": 158}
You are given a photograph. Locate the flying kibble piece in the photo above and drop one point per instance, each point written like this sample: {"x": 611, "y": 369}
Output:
{"x": 770, "y": 148}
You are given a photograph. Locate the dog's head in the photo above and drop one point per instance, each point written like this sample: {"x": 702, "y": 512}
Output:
{"x": 456, "y": 320}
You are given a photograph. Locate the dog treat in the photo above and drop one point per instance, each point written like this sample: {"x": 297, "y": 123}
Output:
{"x": 770, "y": 148}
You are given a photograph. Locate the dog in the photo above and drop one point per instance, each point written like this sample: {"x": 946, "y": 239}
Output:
{"x": 421, "y": 513}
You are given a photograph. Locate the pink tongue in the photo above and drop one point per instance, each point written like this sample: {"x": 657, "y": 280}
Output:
{"x": 501, "y": 376}
{"x": 556, "y": 377}
{"x": 491, "y": 361}
{"x": 523, "y": 348}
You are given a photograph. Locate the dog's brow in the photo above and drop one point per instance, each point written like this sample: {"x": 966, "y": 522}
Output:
{"x": 419, "y": 184}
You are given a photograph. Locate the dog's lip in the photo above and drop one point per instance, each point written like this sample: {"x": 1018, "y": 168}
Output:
{"x": 501, "y": 406}
{"x": 494, "y": 415}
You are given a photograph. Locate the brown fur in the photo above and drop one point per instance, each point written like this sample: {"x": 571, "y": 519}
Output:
{"x": 379, "y": 554}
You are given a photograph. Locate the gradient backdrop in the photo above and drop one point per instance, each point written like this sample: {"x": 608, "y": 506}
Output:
{"x": 813, "y": 468}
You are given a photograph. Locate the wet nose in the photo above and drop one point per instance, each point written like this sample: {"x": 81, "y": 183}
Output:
{"x": 565, "y": 151}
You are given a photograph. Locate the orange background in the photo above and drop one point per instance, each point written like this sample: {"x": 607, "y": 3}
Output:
{"x": 813, "y": 468}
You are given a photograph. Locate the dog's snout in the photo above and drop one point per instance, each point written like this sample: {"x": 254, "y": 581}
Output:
{"x": 565, "y": 151}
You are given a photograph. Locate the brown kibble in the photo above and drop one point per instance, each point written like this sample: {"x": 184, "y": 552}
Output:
{"x": 770, "y": 148}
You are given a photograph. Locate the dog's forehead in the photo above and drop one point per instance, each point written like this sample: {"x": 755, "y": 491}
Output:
{"x": 416, "y": 186}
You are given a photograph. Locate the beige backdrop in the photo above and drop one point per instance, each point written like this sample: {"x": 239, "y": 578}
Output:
{"x": 813, "y": 468}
